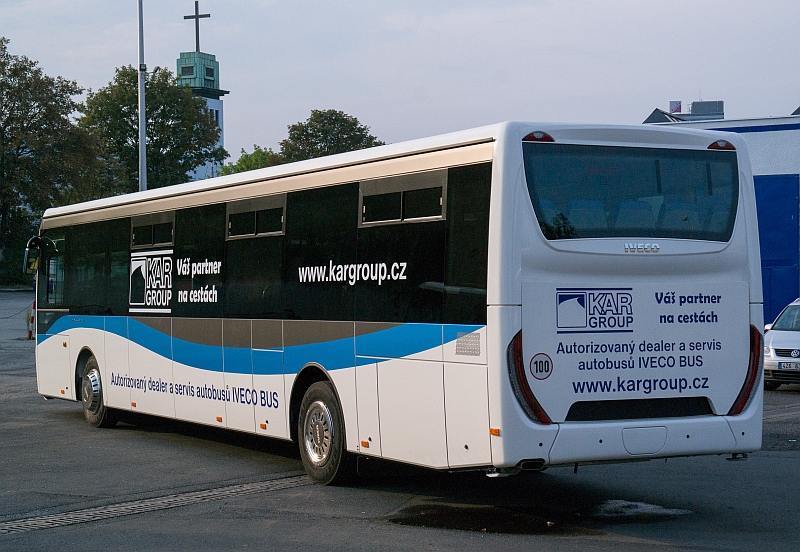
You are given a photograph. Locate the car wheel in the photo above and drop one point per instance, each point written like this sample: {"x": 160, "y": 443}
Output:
{"x": 321, "y": 436}
{"x": 94, "y": 408}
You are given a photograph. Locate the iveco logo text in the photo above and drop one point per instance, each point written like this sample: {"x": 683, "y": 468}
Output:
{"x": 642, "y": 248}
{"x": 594, "y": 310}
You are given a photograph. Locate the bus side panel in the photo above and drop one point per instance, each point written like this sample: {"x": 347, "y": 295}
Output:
{"x": 268, "y": 382}
{"x": 116, "y": 352}
{"x": 467, "y": 415}
{"x": 369, "y": 427}
{"x": 150, "y": 362}
{"x": 411, "y": 398}
{"x": 53, "y": 368}
{"x": 268, "y": 379}
{"x": 197, "y": 359}
{"x": 237, "y": 366}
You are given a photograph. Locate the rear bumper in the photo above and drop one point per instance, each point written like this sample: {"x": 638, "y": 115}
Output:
{"x": 643, "y": 439}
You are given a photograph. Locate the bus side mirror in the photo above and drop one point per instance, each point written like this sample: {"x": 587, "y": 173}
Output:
{"x": 767, "y": 327}
{"x": 30, "y": 264}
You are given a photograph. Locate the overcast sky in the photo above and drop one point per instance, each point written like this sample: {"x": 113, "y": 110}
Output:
{"x": 416, "y": 68}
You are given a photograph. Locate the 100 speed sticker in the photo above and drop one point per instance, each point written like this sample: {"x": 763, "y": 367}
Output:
{"x": 541, "y": 366}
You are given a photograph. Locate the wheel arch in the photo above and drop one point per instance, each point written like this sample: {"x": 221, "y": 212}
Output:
{"x": 80, "y": 364}
{"x": 310, "y": 374}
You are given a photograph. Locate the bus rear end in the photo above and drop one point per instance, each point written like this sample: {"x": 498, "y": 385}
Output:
{"x": 638, "y": 272}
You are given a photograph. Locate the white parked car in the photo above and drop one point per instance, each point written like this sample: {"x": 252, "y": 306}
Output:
{"x": 782, "y": 348}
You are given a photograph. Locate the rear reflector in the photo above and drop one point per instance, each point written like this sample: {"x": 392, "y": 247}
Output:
{"x": 519, "y": 382}
{"x": 753, "y": 369}
{"x": 722, "y": 145}
{"x": 538, "y": 136}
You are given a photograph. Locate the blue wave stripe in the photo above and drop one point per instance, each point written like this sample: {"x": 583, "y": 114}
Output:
{"x": 117, "y": 325}
{"x": 205, "y": 357}
{"x": 397, "y": 342}
{"x": 236, "y": 360}
{"x": 267, "y": 363}
{"x": 332, "y": 355}
{"x": 147, "y": 337}
{"x": 73, "y": 321}
{"x": 400, "y": 341}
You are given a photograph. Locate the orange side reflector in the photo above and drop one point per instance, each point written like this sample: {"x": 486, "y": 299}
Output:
{"x": 494, "y": 431}
{"x": 64, "y": 343}
{"x": 63, "y": 392}
{"x": 133, "y": 404}
{"x": 365, "y": 444}
{"x": 263, "y": 426}
{"x": 219, "y": 418}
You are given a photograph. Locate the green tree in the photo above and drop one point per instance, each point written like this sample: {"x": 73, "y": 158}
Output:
{"x": 326, "y": 133}
{"x": 182, "y": 134}
{"x": 44, "y": 158}
{"x": 260, "y": 158}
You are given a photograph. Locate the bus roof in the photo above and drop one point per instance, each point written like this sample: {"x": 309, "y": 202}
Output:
{"x": 571, "y": 132}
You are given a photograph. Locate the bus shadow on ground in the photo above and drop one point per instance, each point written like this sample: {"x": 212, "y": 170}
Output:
{"x": 530, "y": 503}
{"x": 142, "y": 422}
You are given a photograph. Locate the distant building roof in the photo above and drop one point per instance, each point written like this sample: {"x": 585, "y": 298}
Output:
{"x": 698, "y": 111}
{"x": 661, "y": 116}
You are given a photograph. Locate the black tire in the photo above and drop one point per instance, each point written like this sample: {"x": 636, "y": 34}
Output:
{"x": 320, "y": 434}
{"x": 92, "y": 400}
{"x": 771, "y": 385}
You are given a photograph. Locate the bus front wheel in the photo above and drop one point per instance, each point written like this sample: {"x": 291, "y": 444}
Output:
{"x": 321, "y": 436}
{"x": 94, "y": 408}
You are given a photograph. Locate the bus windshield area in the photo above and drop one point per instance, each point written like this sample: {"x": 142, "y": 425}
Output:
{"x": 789, "y": 320}
{"x": 582, "y": 191}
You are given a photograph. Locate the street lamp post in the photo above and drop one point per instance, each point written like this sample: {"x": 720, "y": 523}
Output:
{"x": 142, "y": 116}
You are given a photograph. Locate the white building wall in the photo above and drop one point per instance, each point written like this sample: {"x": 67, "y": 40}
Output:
{"x": 774, "y": 142}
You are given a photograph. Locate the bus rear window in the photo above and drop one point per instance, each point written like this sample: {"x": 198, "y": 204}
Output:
{"x": 606, "y": 191}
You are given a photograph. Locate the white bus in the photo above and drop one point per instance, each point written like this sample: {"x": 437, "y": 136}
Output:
{"x": 505, "y": 298}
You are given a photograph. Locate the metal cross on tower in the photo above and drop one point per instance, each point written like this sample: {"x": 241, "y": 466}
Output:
{"x": 197, "y": 17}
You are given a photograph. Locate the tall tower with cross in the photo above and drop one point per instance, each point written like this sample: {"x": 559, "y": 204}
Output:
{"x": 200, "y": 72}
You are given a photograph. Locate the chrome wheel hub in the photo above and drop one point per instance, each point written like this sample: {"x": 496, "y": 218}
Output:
{"x": 318, "y": 429}
{"x": 90, "y": 391}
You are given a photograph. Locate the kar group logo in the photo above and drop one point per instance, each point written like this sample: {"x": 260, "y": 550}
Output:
{"x": 594, "y": 310}
{"x": 151, "y": 281}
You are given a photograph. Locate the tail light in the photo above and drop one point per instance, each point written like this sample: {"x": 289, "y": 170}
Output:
{"x": 519, "y": 382}
{"x": 753, "y": 369}
{"x": 538, "y": 136}
{"x": 722, "y": 145}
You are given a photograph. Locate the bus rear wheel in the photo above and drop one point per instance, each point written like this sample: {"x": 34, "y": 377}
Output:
{"x": 321, "y": 436}
{"x": 94, "y": 408}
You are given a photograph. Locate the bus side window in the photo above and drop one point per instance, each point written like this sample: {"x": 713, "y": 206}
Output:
{"x": 321, "y": 227}
{"x": 401, "y": 239}
{"x": 468, "y": 191}
{"x": 51, "y": 283}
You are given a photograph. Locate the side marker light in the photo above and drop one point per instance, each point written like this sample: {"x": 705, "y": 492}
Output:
{"x": 219, "y": 418}
{"x": 365, "y": 444}
{"x": 494, "y": 431}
